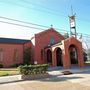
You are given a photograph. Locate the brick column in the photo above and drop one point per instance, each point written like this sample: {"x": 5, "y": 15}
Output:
{"x": 54, "y": 59}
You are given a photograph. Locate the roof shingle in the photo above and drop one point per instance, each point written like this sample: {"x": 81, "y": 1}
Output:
{"x": 14, "y": 41}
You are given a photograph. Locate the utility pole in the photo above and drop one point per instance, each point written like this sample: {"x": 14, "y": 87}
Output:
{"x": 72, "y": 24}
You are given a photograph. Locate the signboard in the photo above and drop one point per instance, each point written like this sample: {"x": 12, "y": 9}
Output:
{"x": 35, "y": 62}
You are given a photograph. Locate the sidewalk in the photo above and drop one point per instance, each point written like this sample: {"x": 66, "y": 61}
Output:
{"x": 58, "y": 70}
{"x": 52, "y": 71}
{"x": 9, "y": 79}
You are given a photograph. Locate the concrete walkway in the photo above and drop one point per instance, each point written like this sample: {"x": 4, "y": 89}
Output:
{"x": 9, "y": 79}
{"x": 58, "y": 70}
{"x": 79, "y": 81}
{"x": 52, "y": 71}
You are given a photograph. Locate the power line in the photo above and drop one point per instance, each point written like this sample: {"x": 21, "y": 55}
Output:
{"x": 88, "y": 36}
{"x": 30, "y": 23}
{"x": 36, "y": 27}
{"x": 52, "y": 12}
{"x": 23, "y": 22}
{"x": 21, "y": 25}
{"x": 39, "y": 5}
{"x": 33, "y": 8}
{"x": 44, "y": 7}
{"x": 25, "y": 26}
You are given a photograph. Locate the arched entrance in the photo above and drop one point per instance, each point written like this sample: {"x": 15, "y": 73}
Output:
{"x": 73, "y": 54}
{"x": 49, "y": 56}
{"x": 59, "y": 57}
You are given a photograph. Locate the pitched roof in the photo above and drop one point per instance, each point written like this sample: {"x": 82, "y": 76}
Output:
{"x": 14, "y": 41}
{"x": 49, "y": 30}
{"x": 72, "y": 38}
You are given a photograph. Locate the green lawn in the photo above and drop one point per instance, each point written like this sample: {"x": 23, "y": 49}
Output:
{"x": 8, "y": 71}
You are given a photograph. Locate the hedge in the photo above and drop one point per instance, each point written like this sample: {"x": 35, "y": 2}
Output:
{"x": 33, "y": 69}
{"x": 1, "y": 65}
{"x": 16, "y": 65}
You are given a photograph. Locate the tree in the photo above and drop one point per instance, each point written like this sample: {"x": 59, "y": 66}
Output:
{"x": 27, "y": 55}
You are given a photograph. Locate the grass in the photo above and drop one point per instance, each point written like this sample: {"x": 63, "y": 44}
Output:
{"x": 8, "y": 71}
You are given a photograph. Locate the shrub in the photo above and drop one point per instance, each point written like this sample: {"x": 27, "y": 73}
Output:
{"x": 33, "y": 69}
{"x": 1, "y": 65}
{"x": 16, "y": 65}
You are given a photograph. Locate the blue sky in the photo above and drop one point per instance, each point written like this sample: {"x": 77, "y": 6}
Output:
{"x": 44, "y": 12}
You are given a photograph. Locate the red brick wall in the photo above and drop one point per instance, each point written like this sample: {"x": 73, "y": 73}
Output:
{"x": 78, "y": 45}
{"x": 42, "y": 40}
{"x": 8, "y": 52}
{"x": 29, "y": 44}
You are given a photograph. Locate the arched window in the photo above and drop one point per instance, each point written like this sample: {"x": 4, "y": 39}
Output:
{"x": 52, "y": 40}
{"x": 42, "y": 53}
{"x": 73, "y": 54}
{"x": 1, "y": 55}
{"x": 49, "y": 56}
{"x": 59, "y": 57}
{"x": 16, "y": 55}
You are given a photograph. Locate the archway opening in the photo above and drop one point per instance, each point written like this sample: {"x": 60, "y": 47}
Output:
{"x": 73, "y": 54}
{"x": 59, "y": 57}
{"x": 49, "y": 56}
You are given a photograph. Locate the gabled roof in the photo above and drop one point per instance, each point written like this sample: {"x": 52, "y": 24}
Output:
{"x": 72, "y": 38}
{"x": 13, "y": 41}
{"x": 49, "y": 30}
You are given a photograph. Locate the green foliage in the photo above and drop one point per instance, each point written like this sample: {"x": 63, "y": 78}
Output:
{"x": 1, "y": 65}
{"x": 9, "y": 71}
{"x": 6, "y": 74}
{"x": 16, "y": 65}
{"x": 33, "y": 69}
{"x": 27, "y": 55}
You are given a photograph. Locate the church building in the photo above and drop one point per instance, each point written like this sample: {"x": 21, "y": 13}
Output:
{"x": 48, "y": 46}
